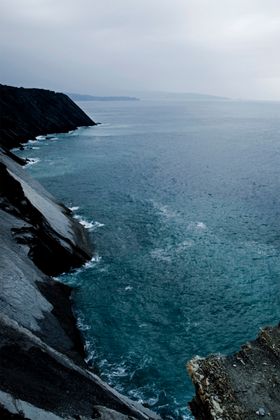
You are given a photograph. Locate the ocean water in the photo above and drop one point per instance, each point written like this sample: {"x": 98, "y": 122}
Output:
{"x": 182, "y": 203}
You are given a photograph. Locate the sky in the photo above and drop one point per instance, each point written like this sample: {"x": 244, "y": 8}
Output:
{"x": 105, "y": 47}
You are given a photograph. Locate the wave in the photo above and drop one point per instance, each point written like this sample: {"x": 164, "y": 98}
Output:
{"x": 72, "y": 278}
{"x": 89, "y": 264}
{"x": 197, "y": 226}
{"x": 94, "y": 260}
{"x": 167, "y": 253}
{"x": 31, "y": 161}
{"x": 28, "y": 143}
{"x": 23, "y": 145}
{"x": 92, "y": 225}
{"x": 74, "y": 208}
{"x": 97, "y": 225}
{"x": 81, "y": 323}
{"x": 260, "y": 250}
{"x": 164, "y": 210}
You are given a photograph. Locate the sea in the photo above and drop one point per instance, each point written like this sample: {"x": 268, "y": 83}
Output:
{"x": 181, "y": 200}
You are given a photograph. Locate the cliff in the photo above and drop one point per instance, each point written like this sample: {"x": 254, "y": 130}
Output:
{"x": 27, "y": 113}
{"x": 242, "y": 386}
{"x": 42, "y": 370}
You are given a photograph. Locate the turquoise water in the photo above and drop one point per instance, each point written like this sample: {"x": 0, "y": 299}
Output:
{"x": 182, "y": 201}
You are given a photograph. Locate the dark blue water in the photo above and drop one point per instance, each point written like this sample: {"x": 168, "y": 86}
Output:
{"x": 187, "y": 261}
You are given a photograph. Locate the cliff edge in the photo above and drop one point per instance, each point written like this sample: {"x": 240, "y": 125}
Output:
{"x": 42, "y": 370}
{"x": 27, "y": 113}
{"x": 241, "y": 386}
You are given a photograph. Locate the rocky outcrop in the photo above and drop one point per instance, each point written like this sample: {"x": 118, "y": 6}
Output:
{"x": 38, "y": 375}
{"x": 55, "y": 241}
{"x": 42, "y": 370}
{"x": 27, "y": 113}
{"x": 242, "y": 386}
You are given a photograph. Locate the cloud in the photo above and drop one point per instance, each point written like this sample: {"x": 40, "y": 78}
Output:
{"x": 220, "y": 47}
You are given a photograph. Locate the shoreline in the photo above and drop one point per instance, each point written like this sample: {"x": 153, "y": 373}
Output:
{"x": 43, "y": 373}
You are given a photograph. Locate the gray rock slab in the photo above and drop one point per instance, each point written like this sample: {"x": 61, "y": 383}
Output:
{"x": 32, "y": 371}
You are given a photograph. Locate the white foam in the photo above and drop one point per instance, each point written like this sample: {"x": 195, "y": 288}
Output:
{"x": 73, "y": 275}
{"x": 96, "y": 258}
{"x": 92, "y": 225}
{"x": 161, "y": 254}
{"x": 98, "y": 225}
{"x": 119, "y": 372}
{"x": 35, "y": 148}
{"x": 29, "y": 142}
{"x": 201, "y": 225}
{"x": 31, "y": 161}
{"x": 32, "y": 141}
{"x": 197, "y": 226}
{"x": 165, "y": 210}
{"x": 261, "y": 250}
{"x": 167, "y": 253}
{"x": 39, "y": 138}
{"x": 183, "y": 245}
{"x": 84, "y": 222}
{"x": 74, "y": 208}
{"x": 81, "y": 324}
{"x": 128, "y": 288}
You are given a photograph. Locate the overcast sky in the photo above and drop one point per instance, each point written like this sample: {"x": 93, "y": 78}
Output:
{"x": 220, "y": 47}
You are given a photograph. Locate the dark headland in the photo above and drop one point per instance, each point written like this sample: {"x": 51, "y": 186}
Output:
{"x": 27, "y": 113}
{"x": 42, "y": 370}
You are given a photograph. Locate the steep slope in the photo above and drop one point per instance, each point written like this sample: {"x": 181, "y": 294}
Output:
{"x": 42, "y": 370}
{"x": 27, "y": 113}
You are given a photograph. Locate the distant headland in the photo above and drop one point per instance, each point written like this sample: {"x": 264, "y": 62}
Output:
{"x": 81, "y": 97}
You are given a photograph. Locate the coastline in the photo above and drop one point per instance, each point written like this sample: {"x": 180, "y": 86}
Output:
{"x": 42, "y": 370}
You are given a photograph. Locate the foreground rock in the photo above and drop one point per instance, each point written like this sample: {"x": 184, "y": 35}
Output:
{"x": 43, "y": 375}
{"x": 41, "y": 354}
{"x": 36, "y": 374}
{"x": 243, "y": 386}
{"x": 27, "y": 113}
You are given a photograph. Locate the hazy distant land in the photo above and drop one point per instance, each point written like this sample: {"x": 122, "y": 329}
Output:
{"x": 81, "y": 97}
{"x": 156, "y": 95}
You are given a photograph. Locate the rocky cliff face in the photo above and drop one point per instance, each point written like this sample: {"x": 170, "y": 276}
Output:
{"x": 242, "y": 386}
{"x": 27, "y": 113}
{"x": 42, "y": 371}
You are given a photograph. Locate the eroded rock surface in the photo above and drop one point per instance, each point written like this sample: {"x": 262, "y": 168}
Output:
{"x": 243, "y": 386}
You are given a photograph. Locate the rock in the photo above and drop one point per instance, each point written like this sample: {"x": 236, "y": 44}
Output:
{"x": 242, "y": 382}
{"x": 33, "y": 372}
{"x": 261, "y": 412}
{"x": 56, "y": 241}
{"x": 104, "y": 413}
{"x": 42, "y": 370}
{"x": 27, "y": 113}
